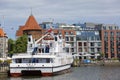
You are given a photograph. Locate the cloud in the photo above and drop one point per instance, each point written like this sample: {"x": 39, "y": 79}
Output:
{"x": 16, "y": 12}
{"x": 57, "y": 8}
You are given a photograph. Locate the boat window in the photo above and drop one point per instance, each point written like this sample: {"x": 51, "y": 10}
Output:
{"x": 42, "y": 50}
{"x": 18, "y": 60}
{"x": 30, "y": 45}
{"x": 26, "y": 60}
{"x": 47, "y": 49}
{"x": 44, "y": 60}
{"x": 50, "y": 44}
{"x": 55, "y": 38}
{"x": 29, "y": 39}
{"x": 34, "y": 60}
{"x": 48, "y": 60}
{"x": 51, "y": 60}
{"x": 34, "y": 51}
{"x": 30, "y": 60}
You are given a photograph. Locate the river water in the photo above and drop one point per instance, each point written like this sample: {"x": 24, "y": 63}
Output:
{"x": 80, "y": 73}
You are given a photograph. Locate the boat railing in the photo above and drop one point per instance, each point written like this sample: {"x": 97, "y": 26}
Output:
{"x": 51, "y": 53}
{"x": 20, "y": 54}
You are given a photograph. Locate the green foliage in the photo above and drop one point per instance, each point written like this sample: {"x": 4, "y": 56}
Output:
{"x": 18, "y": 46}
{"x": 8, "y": 61}
{"x": 11, "y": 46}
{"x": 1, "y": 61}
{"x": 102, "y": 54}
{"x": 21, "y": 44}
{"x": 114, "y": 58}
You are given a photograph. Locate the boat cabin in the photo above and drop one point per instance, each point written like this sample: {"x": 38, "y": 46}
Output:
{"x": 33, "y": 60}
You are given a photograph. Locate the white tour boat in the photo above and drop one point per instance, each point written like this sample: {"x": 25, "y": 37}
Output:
{"x": 44, "y": 57}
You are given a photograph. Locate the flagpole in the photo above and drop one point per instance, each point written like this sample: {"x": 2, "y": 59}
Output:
{"x": 4, "y": 55}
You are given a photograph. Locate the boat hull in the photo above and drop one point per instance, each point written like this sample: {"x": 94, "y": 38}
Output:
{"x": 44, "y": 71}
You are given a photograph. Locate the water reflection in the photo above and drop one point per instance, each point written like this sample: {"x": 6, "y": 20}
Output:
{"x": 3, "y": 77}
{"x": 81, "y": 73}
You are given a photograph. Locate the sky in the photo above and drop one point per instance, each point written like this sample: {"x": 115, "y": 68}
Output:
{"x": 14, "y": 13}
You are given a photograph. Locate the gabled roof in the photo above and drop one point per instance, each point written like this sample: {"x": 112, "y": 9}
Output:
{"x": 31, "y": 24}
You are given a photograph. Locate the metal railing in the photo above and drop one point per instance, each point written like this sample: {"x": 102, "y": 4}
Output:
{"x": 4, "y": 67}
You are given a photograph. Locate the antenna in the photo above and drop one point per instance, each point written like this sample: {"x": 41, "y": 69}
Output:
{"x": 31, "y": 10}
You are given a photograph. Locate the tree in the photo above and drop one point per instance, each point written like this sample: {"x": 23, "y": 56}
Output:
{"x": 21, "y": 44}
{"x": 102, "y": 56}
{"x": 11, "y": 47}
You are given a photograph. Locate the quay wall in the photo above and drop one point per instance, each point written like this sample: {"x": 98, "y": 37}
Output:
{"x": 78, "y": 63}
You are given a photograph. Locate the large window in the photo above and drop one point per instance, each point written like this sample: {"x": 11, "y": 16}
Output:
{"x": 111, "y": 38}
{"x": 67, "y": 49}
{"x": 112, "y": 33}
{"x": 80, "y": 43}
{"x": 106, "y": 34}
{"x": 98, "y": 49}
{"x": 99, "y": 43}
{"x": 92, "y": 49}
{"x": 91, "y": 44}
{"x": 85, "y": 44}
{"x": 67, "y": 38}
{"x": 118, "y": 34}
{"x": 71, "y": 38}
{"x": 66, "y": 33}
{"x": 105, "y": 38}
{"x": 72, "y": 49}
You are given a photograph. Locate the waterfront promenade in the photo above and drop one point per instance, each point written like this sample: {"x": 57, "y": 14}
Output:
{"x": 78, "y": 63}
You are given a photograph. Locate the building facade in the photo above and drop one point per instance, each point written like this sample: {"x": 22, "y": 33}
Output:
{"x": 110, "y": 36}
{"x": 31, "y": 27}
{"x": 3, "y": 44}
{"x": 69, "y": 36}
{"x": 88, "y": 42}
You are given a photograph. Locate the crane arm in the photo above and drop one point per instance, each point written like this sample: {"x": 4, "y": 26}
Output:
{"x": 41, "y": 38}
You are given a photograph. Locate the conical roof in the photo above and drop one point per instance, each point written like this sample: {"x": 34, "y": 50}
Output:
{"x": 2, "y": 33}
{"x": 31, "y": 24}
{"x": 20, "y": 31}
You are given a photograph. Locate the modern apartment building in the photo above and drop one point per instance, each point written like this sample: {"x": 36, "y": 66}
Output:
{"x": 88, "y": 42}
{"x": 110, "y": 37}
{"x": 69, "y": 36}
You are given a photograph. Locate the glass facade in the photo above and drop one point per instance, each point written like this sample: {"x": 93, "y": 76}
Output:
{"x": 88, "y": 41}
{"x": 88, "y": 35}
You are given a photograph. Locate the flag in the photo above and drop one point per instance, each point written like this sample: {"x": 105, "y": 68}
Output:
{"x": 49, "y": 30}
